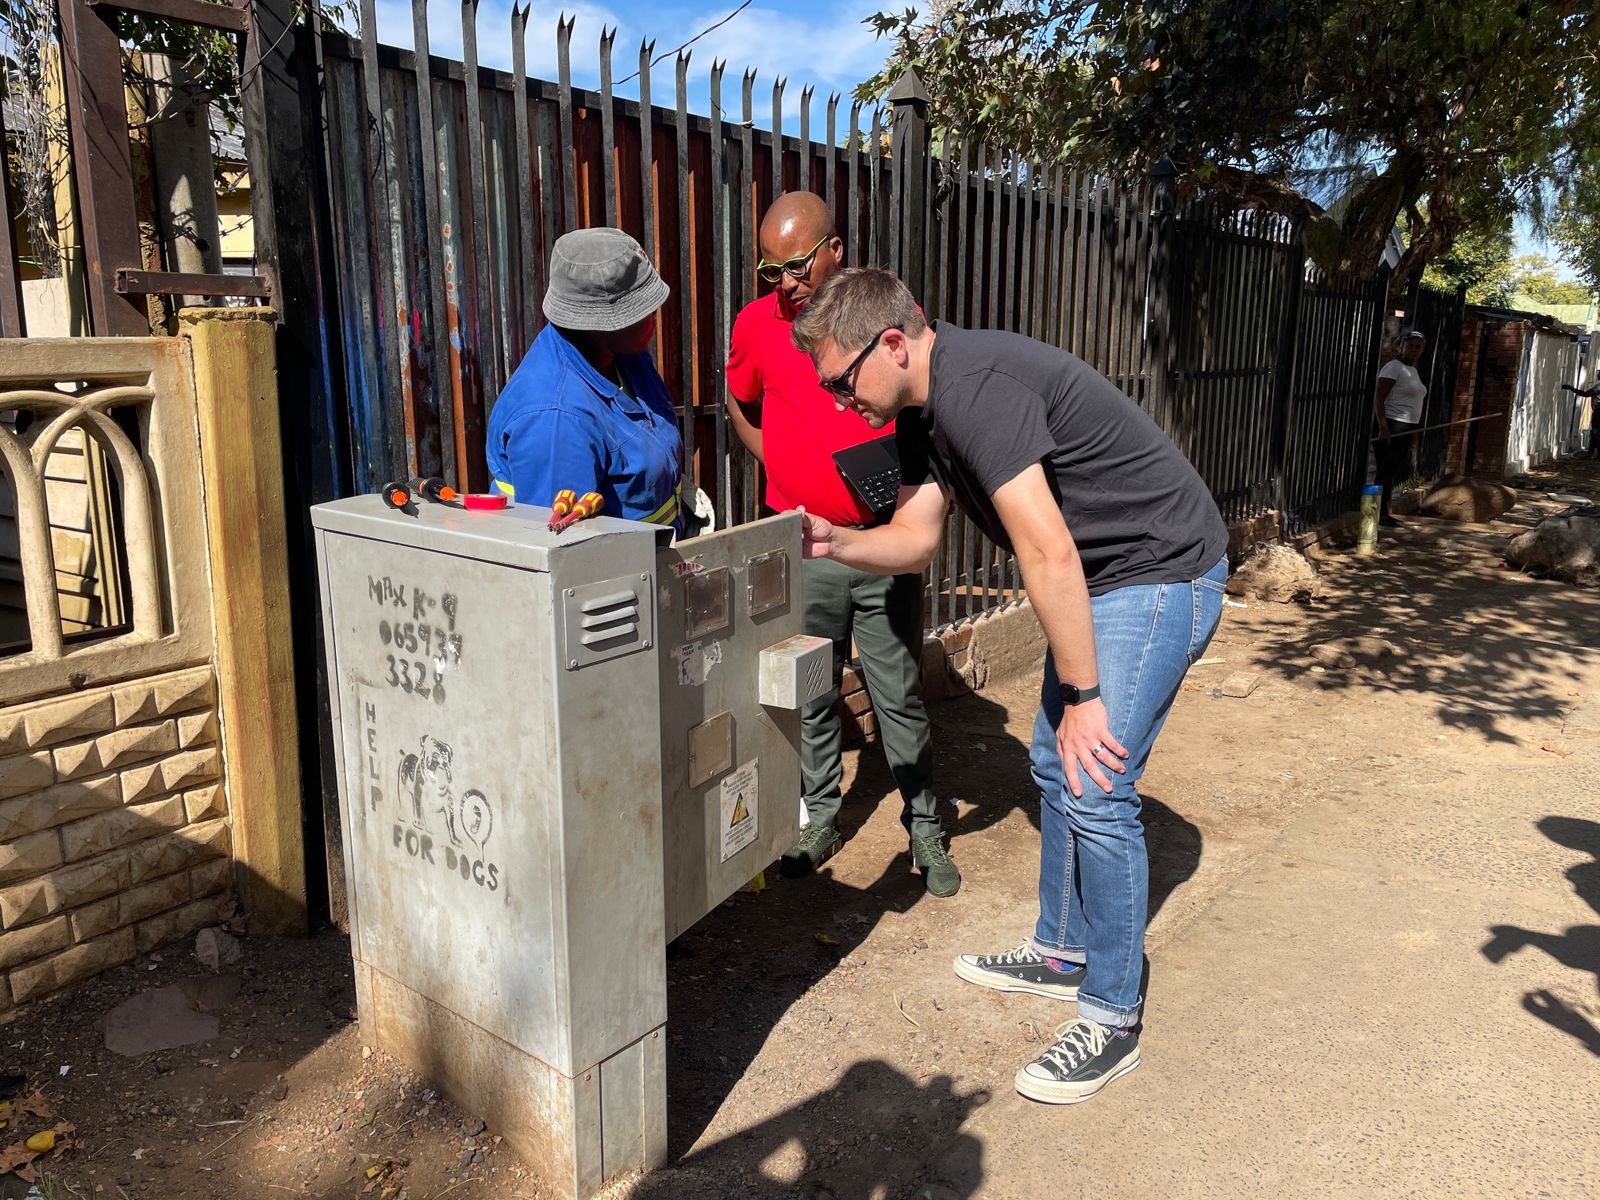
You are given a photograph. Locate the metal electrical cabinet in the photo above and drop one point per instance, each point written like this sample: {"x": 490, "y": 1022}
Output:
{"x": 730, "y": 764}
{"x": 553, "y": 757}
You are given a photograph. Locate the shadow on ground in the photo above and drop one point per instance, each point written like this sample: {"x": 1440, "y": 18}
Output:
{"x": 1471, "y": 634}
{"x": 1578, "y": 948}
{"x": 755, "y": 956}
{"x": 870, "y": 1135}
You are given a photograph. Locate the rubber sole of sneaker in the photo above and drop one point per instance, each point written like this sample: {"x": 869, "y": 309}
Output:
{"x": 1047, "y": 1091}
{"x": 999, "y": 983}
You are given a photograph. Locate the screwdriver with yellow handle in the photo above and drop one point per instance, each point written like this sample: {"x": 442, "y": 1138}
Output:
{"x": 560, "y": 507}
{"x": 588, "y": 506}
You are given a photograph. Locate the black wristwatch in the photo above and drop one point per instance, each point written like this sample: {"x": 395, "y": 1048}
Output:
{"x": 1076, "y": 695}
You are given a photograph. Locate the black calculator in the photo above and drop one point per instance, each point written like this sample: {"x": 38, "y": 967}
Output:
{"x": 872, "y": 470}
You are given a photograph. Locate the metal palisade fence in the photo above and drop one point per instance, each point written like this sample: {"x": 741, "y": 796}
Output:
{"x": 1206, "y": 315}
{"x": 439, "y": 258}
{"x": 405, "y": 206}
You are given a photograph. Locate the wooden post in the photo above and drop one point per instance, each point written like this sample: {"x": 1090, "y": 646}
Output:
{"x": 102, "y": 170}
{"x": 241, "y": 466}
{"x": 69, "y": 233}
{"x": 185, "y": 208}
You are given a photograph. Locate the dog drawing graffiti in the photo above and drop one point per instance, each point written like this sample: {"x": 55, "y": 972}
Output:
{"x": 427, "y": 790}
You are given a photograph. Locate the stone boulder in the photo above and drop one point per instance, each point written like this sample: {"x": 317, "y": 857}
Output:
{"x": 1364, "y": 651}
{"x": 1276, "y": 573}
{"x": 1565, "y": 545}
{"x": 1473, "y": 501}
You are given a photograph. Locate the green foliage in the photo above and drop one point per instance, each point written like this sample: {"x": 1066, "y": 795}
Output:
{"x": 1576, "y": 229}
{"x": 1536, "y": 277}
{"x": 1480, "y": 262}
{"x": 1470, "y": 105}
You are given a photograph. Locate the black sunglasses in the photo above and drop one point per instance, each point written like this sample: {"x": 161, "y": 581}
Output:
{"x": 843, "y": 384}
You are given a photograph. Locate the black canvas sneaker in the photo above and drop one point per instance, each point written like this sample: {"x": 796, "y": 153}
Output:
{"x": 1023, "y": 969}
{"x": 1085, "y": 1057}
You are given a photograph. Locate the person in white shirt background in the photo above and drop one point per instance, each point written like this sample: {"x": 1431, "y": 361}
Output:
{"x": 1398, "y": 407}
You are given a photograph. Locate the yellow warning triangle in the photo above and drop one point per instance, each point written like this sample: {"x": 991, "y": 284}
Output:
{"x": 740, "y": 813}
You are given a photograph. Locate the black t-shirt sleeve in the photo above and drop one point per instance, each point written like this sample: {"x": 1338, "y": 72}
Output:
{"x": 1001, "y": 425}
{"x": 915, "y": 450}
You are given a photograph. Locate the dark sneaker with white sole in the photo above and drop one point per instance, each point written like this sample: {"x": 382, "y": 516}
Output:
{"x": 1022, "y": 969}
{"x": 1086, "y": 1056}
{"x": 817, "y": 844}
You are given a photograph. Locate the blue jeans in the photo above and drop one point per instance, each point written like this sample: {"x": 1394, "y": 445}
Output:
{"x": 1094, "y": 874}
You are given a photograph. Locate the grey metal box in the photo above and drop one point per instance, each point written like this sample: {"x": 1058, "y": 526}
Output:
{"x": 730, "y": 764}
{"x": 496, "y": 691}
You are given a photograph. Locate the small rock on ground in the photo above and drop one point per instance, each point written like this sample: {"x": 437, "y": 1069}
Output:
{"x": 1343, "y": 654}
{"x": 217, "y": 948}
{"x": 1240, "y": 684}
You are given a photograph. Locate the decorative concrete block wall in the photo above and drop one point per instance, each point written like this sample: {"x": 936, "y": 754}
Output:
{"x": 114, "y": 833}
{"x": 149, "y": 763}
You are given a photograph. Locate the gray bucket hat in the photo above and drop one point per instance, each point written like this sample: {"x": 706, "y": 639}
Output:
{"x": 602, "y": 280}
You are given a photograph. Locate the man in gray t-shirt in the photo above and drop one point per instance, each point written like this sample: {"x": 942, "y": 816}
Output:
{"x": 998, "y": 403}
{"x": 1123, "y": 554}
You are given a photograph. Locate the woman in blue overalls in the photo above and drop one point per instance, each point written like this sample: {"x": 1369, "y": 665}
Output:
{"x": 586, "y": 409}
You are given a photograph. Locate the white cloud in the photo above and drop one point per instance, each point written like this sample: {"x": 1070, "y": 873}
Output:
{"x": 830, "y": 49}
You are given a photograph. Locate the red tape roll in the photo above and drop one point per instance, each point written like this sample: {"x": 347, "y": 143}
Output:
{"x": 484, "y": 501}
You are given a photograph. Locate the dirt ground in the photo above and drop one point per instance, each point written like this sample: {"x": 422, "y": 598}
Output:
{"x": 818, "y": 1044}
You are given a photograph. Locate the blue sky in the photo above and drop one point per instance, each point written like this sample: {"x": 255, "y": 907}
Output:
{"x": 823, "y": 44}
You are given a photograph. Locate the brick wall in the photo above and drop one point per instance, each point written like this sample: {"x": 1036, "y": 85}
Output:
{"x": 1464, "y": 403}
{"x": 955, "y": 660}
{"x": 855, "y": 709}
{"x": 1499, "y": 376}
{"x": 114, "y": 832}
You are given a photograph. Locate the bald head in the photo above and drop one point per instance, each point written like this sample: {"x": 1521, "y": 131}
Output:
{"x": 801, "y": 215}
{"x": 798, "y": 228}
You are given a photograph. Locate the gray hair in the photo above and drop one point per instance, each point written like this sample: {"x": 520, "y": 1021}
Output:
{"x": 852, "y": 307}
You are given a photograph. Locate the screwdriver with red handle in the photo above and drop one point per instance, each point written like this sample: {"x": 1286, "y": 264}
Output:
{"x": 591, "y": 504}
{"x": 560, "y": 507}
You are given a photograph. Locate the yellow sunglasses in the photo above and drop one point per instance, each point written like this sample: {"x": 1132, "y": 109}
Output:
{"x": 795, "y": 268}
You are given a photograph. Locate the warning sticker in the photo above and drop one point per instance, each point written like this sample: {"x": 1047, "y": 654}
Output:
{"x": 739, "y": 804}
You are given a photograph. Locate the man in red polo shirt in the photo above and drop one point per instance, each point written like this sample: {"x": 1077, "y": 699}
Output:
{"x": 785, "y": 419}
